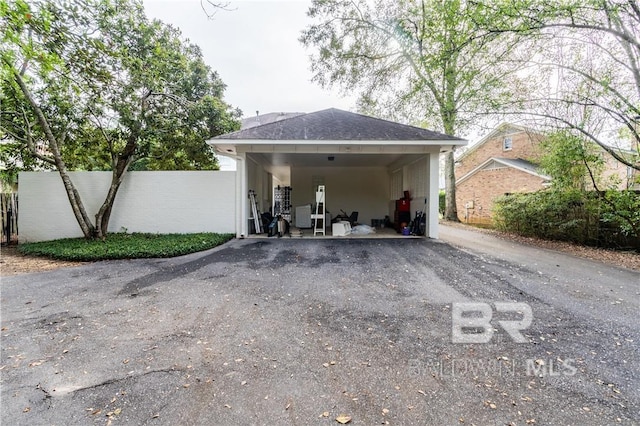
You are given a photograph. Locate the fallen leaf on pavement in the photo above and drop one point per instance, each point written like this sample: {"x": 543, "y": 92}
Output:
{"x": 343, "y": 419}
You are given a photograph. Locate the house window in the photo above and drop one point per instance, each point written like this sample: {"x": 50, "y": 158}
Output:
{"x": 507, "y": 144}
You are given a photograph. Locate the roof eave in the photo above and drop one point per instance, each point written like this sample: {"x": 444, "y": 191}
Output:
{"x": 230, "y": 141}
{"x": 483, "y": 164}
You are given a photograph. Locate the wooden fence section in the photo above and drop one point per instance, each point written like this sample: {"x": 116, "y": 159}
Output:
{"x": 9, "y": 213}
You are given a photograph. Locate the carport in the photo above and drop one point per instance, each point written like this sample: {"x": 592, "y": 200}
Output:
{"x": 365, "y": 164}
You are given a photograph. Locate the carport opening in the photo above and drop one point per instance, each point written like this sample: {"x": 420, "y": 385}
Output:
{"x": 367, "y": 185}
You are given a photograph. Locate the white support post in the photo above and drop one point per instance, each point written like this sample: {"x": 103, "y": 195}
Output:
{"x": 242, "y": 201}
{"x": 433, "y": 190}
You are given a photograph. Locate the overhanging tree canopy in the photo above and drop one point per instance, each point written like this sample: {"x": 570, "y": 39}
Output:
{"x": 422, "y": 61}
{"x": 591, "y": 50}
{"x": 96, "y": 85}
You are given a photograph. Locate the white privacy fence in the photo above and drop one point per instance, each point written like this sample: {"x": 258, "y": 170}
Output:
{"x": 155, "y": 202}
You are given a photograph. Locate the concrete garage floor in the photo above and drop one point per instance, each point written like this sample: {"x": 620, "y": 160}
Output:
{"x": 308, "y": 233}
{"x": 300, "y": 331}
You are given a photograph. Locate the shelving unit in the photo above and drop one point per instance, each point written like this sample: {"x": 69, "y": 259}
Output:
{"x": 282, "y": 202}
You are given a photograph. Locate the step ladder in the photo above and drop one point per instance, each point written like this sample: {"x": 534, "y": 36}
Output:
{"x": 257, "y": 219}
{"x": 319, "y": 217}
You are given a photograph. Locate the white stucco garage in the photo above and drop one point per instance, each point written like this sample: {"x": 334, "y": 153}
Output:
{"x": 365, "y": 164}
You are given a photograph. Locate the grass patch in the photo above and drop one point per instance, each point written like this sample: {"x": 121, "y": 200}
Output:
{"x": 125, "y": 246}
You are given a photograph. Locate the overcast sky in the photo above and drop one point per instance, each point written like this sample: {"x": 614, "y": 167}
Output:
{"x": 254, "y": 47}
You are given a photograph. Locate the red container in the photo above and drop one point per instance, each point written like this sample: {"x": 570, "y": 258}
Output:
{"x": 403, "y": 205}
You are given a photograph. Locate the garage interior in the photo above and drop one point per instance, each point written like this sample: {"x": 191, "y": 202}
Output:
{"x": 363, "y": 187}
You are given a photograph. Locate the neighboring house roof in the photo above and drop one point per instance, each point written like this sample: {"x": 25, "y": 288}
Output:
{"x": 492, "y": 134}
{"x": 498, "y": 163}
{"x": 335, "y": 124}
{"x": 271, "y": 117}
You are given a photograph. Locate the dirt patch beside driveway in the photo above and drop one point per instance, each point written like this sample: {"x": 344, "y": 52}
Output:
{"x": 299, "y": 332}
{"x": 12, "y": 262}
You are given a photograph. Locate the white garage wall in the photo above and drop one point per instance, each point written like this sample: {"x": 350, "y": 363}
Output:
{"x": 417, "y": 178}
{"x": 156, "y": 202}
{"x": 361, "y": 189}
{"x": 261, "y": 181}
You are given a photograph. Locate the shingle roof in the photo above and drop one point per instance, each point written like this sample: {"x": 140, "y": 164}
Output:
{"x": 335, "y": 124}
{"x": 271, "y": 117}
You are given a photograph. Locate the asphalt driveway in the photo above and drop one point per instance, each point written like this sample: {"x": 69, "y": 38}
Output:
{"x": 301, "y": 331}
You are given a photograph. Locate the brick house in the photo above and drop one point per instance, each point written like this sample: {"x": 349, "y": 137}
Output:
{"x": 625, "y": 176}
{"x": 502, "y": 162}
{"x": 505, "y": 161}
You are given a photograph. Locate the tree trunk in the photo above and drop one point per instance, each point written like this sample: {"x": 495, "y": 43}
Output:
{"x": 449, "y": 118}
{"x": 74, "y": 197}
{"x": 104, "y": 214}
{"x": 451, "y": 210}
{"x": 120, "y": 167}
{"x": 76, "y": 205}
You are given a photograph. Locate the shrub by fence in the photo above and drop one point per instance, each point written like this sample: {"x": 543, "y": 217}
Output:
{"x": 610, "y": 219}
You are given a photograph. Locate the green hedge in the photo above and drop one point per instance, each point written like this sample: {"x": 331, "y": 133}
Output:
{"x": 125, "y": 246}
{"x": 610, "y": 219}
